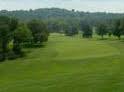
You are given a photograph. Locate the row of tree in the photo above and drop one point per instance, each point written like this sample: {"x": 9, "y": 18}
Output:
{"x": 15, "y": 34}
{"x": 57, "y": 13}
{"x": 115, "y": 28}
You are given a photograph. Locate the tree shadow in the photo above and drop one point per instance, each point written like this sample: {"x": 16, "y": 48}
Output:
{"x": 102, "y": 39}
{"x": 34, "y": 45}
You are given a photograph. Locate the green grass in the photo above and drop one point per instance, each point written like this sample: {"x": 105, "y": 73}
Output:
{"x": 67, "y": 64}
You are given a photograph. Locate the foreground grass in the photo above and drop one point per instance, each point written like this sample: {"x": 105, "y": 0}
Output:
{"x": 67, "y": 64}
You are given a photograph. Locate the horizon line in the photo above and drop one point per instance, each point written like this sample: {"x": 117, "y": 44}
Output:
{"x": 62, "y": 8}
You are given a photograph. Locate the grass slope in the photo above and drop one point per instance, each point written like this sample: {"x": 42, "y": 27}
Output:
{"x": 67, "y": 64}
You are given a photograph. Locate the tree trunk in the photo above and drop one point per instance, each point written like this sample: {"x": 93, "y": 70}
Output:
{"x": 4, "y": 50}
{"x": 16, "y": 47}
{"x": 119, "y": 37}
{"x": 102, "y": 37}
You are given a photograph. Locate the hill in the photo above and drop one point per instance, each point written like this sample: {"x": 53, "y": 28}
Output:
{"x": 56, "y": 13}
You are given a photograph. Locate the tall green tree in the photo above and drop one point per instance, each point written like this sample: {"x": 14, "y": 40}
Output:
{"x": 39, "y": 31}
{"x": 117, "y": 29}
{"x": 21, "y": 34}
{"x": 7, "y": 27}
{"x": 71, "y": 30}
{"x": 4, "y": 39}
{"x": 87, "y": 31}
{"x": 101, "y": 30}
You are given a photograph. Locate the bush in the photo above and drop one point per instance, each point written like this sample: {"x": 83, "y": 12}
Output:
{"x": 1, "y": 57}
{"x": 11, "y": 55}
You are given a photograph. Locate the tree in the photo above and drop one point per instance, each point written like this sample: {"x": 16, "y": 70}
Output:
{"x": 39, "y": 31}
{"x": 4, "y": 39}
{"x": 87, "y": 31}
{"x": 101, "y": 30}
{"x": 13, "y": 23}
{"x": 71, "y": 30}
{"x": 118, "y": 28}
{"x": 109, "y": 28}
{"x": 21, "y": 34}
{"x": 7, "y": 27}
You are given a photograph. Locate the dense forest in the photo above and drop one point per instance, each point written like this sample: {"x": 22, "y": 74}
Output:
{"x": 58, "y": 19}
{"x": 61, "y": 14}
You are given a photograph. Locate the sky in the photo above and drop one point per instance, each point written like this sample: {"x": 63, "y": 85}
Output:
{"x": 80, "y": 5}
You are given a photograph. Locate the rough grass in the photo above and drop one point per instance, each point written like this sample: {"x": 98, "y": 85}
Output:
{"x": 67, "y": 64}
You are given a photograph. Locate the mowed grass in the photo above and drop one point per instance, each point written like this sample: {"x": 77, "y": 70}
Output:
{"x": 67, "y": 64}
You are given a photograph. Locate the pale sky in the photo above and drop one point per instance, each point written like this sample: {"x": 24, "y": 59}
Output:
{"x": 81, "y": 5}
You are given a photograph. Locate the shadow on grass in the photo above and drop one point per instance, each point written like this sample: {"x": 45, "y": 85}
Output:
{"x": 34, "y": 46}
{"x": 102, "y": 39}
{"x": 12, "y": 56}
{"x": 109, "y": 39}
{"x": 122, "y": 40}
{"x": 27, "y": 49}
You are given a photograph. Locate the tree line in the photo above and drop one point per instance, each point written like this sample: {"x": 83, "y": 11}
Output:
{"x": 62, "y": 20}
{"x": 115, "y": 28}
{"x": 15, "y": 34}
{"x": 57, "y": 13}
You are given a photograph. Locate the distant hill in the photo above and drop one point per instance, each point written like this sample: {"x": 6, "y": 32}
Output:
{"x": 56, "y": 13}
